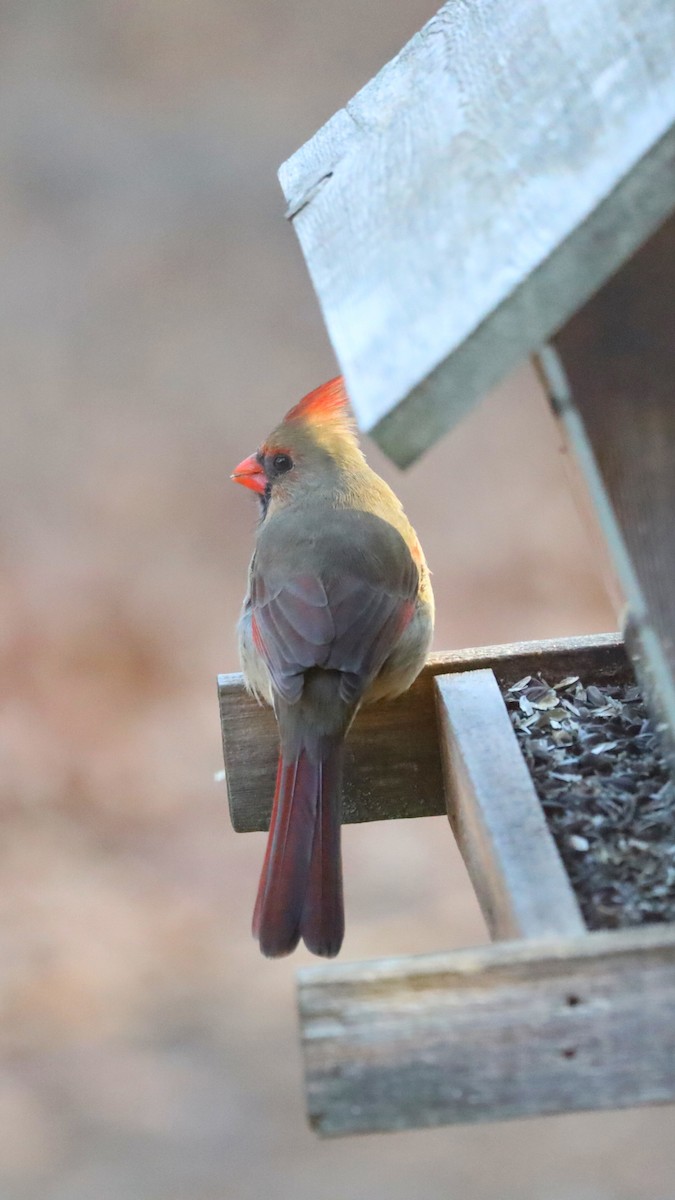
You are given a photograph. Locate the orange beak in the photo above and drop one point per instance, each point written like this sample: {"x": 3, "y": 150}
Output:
{"x": 251, "y": 474}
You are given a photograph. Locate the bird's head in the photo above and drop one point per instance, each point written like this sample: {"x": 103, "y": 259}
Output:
{"x": 312, "y": 445}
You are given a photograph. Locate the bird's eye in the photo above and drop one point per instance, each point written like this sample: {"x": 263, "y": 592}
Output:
{"x": 282, "y": 463}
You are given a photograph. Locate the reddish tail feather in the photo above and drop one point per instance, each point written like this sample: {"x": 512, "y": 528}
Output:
{"x": 300, "y": 890}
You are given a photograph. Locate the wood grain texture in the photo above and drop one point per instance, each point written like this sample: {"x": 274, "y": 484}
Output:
{"x": 615, "y": 401}
{"x": 514, "y": 866}
{"x": 473, "y": 195}
{"x": 510, "y": 1030}
{"x": 393, "y": 766}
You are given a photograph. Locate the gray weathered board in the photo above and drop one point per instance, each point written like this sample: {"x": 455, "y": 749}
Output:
{"x": 393, "y": 763}
{"x": 473, "y": 195}
{"x": 611, "y": 377}
{"x": 516, "y": 871}
{"x": 508, "y": 1030}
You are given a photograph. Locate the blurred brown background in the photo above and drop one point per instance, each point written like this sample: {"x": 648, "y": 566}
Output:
{"x": 156, "y": 320}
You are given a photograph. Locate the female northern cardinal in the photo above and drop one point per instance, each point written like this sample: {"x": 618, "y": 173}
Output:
{"x": 339, "y": 612}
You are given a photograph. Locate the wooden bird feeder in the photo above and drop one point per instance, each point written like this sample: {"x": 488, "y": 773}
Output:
{"x": 502, "y": 189}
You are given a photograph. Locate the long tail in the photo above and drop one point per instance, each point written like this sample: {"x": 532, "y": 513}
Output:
{"x": 300, "y": 890}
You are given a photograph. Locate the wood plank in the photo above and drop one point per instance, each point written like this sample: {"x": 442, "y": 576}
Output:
{"x": 393, "y": 766}
{"x": 509, "y": 1030}
{"x": 473, "y": 195}
{"x": 502, "y": 833}
{"x": 613, "y": 392}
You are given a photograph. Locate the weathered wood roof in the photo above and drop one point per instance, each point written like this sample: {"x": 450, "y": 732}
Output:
{"x": 469, "y": 199}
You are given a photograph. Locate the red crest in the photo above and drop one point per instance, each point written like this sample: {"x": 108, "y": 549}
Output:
{"x": 328, "y": 400}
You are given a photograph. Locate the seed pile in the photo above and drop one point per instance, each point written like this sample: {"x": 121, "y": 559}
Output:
{"x": 604, "y": 785}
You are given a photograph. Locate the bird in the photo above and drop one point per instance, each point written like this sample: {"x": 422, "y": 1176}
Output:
{"x": 339, "y": 612}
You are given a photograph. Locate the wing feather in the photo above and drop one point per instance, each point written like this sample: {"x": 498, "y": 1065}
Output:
{"x": 347, "y": 617}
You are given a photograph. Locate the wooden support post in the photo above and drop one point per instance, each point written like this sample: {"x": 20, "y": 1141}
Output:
{"x": 508, "y": 1030}
{"x": 611, "y": 379}
{"x": 516, "y": 871}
